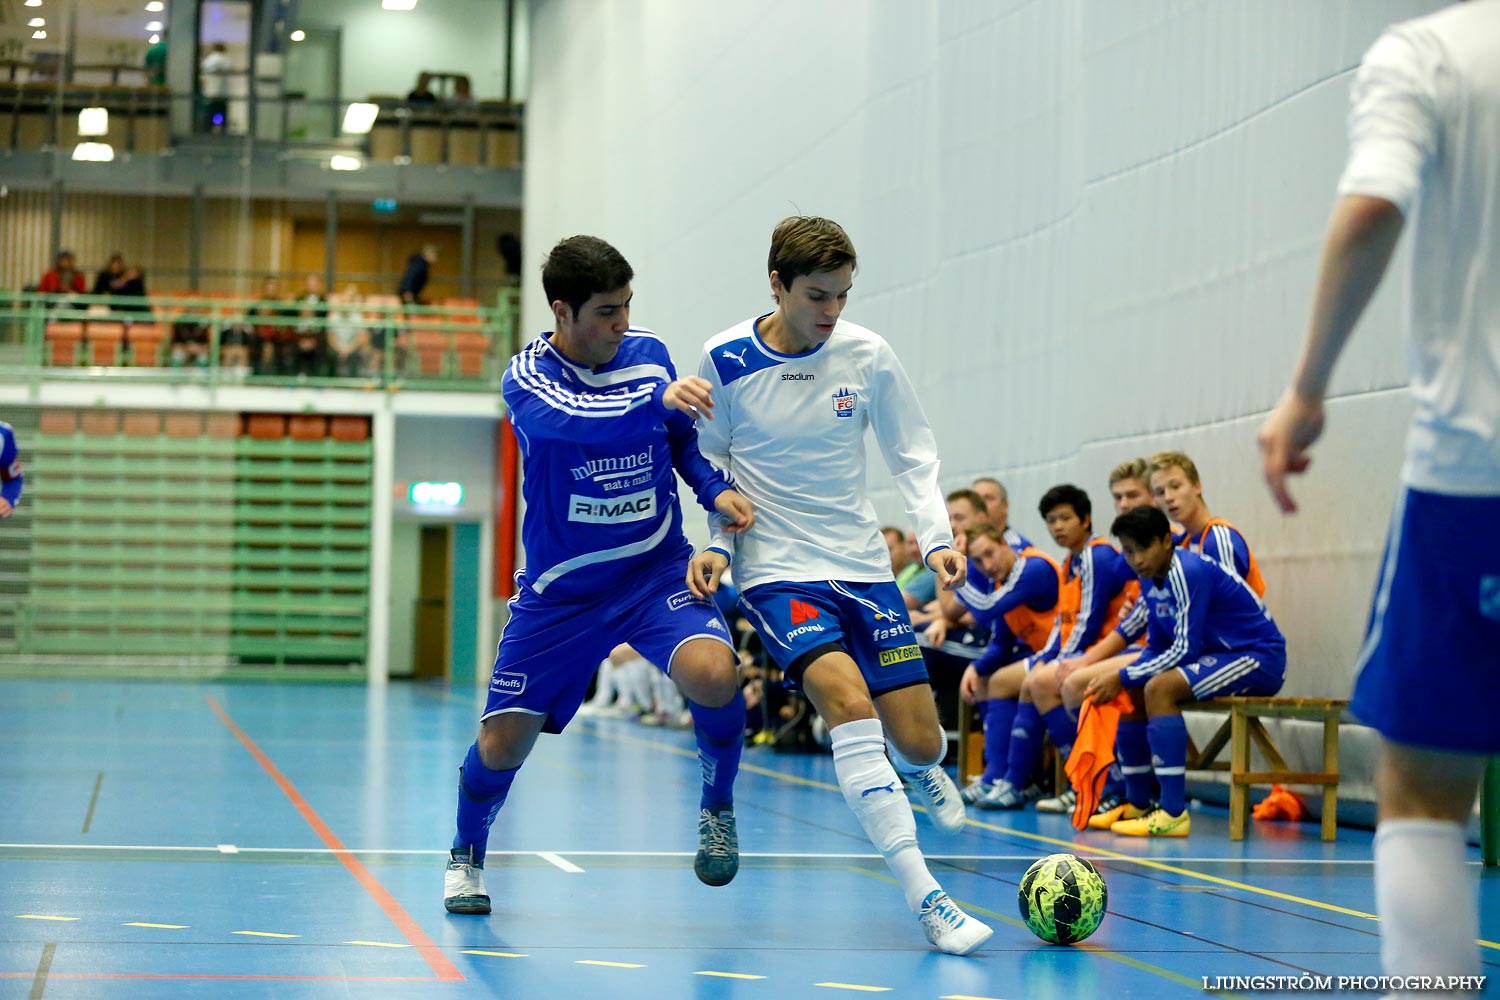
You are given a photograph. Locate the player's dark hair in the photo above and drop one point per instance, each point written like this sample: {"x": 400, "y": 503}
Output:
{"x": 804, "y": 244}
{"x": 581, "y": 266}
{"x": 1068, "y": 494}
{"x": 1141, "y": 527}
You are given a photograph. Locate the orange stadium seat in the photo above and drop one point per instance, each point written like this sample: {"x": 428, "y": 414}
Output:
{"x": 63, "y": 340}
{"x": 106, "y": 342}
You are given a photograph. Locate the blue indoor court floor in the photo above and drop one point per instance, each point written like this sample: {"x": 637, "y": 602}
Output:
{"x": 287, "y": 840}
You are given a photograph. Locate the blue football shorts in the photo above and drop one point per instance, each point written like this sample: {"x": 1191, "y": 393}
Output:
{"x": 549, "y": 650}
{"x": 799, "y": 622}
{"x": 1429, "y": 672}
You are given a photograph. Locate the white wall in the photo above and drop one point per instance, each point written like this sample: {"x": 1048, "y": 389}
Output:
{"x": 384, "y": 50}
{"x": 1090, "y": 229}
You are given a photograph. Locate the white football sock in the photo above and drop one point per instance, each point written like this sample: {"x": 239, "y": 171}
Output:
{"x": 1427, "y": 899}
{"x": 874, "y": 793}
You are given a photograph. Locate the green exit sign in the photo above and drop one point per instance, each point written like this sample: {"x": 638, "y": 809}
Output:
{"x": 436, "y": 494}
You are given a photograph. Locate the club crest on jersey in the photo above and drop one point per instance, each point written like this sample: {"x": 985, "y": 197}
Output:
{"x": 843, "y": 402}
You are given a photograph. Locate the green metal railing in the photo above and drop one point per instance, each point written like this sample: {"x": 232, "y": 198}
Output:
{"x": 192, "y": 338}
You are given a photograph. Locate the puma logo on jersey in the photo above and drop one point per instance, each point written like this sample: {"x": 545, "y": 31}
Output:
{"x": 740, "y": 357}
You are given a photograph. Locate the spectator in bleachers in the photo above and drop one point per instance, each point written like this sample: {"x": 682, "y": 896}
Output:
{"x": 917, "y": 582}
{"x": 214, "y": 89}
{"x": 309, "y": 351}
{"x": 275, "y": 338}
{"x": 463, "y": 92}
{"x": 414, "y": 279}
{"x": 117, "y": 279}
{"x": 64, "y": 278}
{"x": 997, "y": 506}
{"x": 156, "y": 61}
{"x": 422, "y": 92}
{"x": 347, "y": 334}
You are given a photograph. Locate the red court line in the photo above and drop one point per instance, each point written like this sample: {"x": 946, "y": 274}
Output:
{"x": 190, "y": 975}
{"x": 440, "y": 964}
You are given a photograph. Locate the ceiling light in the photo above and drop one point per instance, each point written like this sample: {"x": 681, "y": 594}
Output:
{"x": 93, "y": 121}
{"x": 342, "y": 162}
{"x": 154, "y": 39}
{"x": 33, "y": 3}
{"x": 398, "y": 4}
{"x": 298, "y": 35}
{"x": 155, "y": 7}
{"x": 37, "y": 22}
{"x": 39, "y": 33}
{"x": 95, "y": 152}
{"x": 153, "y": 25}
{"x": 359, "y": 117}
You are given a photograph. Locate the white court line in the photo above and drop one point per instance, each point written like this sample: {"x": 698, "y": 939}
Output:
{"x": 557, "y": 859}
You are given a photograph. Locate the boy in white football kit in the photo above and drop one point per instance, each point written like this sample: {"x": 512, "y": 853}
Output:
{"x": 794, "y": 392}
{"x": 1424, "y": 146}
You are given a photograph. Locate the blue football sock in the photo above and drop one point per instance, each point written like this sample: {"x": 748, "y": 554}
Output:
{"x": 481, "y": 793}
{"x": 721, "y": 737}
{"x": 1114, "y": 783}
{"x": 1061, "y": 729}
{"x": 999, "y": 713}
{"x": 1025, "y": 751}
{"x": 1168, "y": 738}
{"x": 1133, "y": 751}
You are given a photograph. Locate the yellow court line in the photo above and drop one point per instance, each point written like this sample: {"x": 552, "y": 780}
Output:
{"x": 612, "y": 965}
{"x": 494, "y": 954}
{"x": 164, "y": 927}
{"x": 1113, "y": 956}
{"x": 379, "y": 944}
{"x": 728, "y": 975}
{"x": 854, "y": 986}
{"x": 39, "y": 916}
{"x": 269, "y": 934}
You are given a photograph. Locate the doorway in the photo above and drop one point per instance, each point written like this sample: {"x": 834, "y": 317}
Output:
{"x": 433, "y": 620}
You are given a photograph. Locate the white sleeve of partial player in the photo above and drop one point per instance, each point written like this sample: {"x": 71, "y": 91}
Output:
{"x": 713, "y": 444}
{"x": 910, "y": 450}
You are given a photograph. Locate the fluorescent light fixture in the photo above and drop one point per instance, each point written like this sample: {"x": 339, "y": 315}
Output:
{"x": 153, "y": 25}
{"x": 37, "y": 22}
{"x": 436, "y": 494}
{"x": 154, "y": 39}
{"x": 39, "y": 33}
{"x": 155, "y": 7}
{"x": 93, "y": 121}
{"x": 342, "y": 162}
{"x": 33, "y": 3}
{"x": 94, "y": 152}
{"x": 298, "y": 35}
{"x": 359, "y": 118}
{"x": 398, "y": 4}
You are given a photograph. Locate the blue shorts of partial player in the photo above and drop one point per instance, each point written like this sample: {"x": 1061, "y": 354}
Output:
{"x": 1250, "y": 673}
{"x": 1429, "y": 672}
{"x": 550, "y": 649}
{"x": 799, "y": 622}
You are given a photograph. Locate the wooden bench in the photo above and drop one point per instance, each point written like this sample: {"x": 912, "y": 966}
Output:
{"x": 1243, "y": 726}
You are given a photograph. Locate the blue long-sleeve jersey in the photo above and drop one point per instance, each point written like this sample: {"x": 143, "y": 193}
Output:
{"x": 10, "y": 465}
{"x": 1199, "y": 608}
{"x": 598, "y": 452}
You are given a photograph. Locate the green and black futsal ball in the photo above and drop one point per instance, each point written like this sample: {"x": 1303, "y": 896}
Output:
{"x": 1063, "y": 898}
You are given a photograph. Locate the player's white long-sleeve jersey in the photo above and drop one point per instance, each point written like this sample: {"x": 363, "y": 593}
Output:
{"x": 789, "y": 431}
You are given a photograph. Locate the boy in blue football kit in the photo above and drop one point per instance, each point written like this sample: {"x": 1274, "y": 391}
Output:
{"x": 604, "y": 426}
{"x": 796, "y": 390}
{"x": 1424, "y": 136}
{"x": 11, "y": 479}
{"x": 1208, "y": 634}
